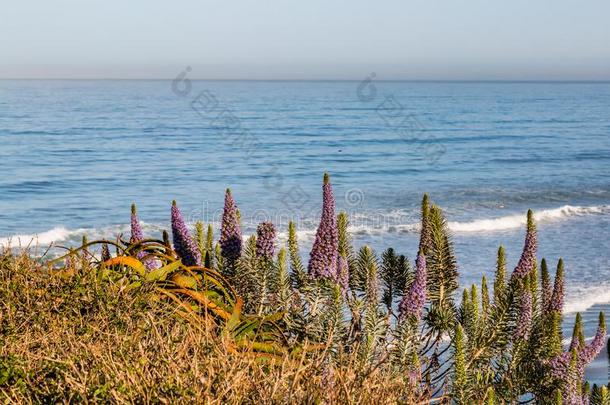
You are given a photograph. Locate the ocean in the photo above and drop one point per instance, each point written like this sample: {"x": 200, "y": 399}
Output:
{"x": 75, "y": 154}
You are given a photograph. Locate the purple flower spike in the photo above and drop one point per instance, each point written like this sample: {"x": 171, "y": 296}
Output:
{"x": 528, "y": 256}
{"x": 342, "y": 273}
{"x": 591, "y": 350}
{"x": 412, "y": 304}
{"x": 556, "y": 303}
{"x": 138, "y": 236}
{"x": 230, "y": 232}
{"x": 569, "y": 367}
{"x": 524, "y": 323}
{"x": 560, "y": 366}
{"x": 265, "y": 240}
{"x": 136, "y": 229}
{"x": 184, "y": 245}
{"x": 323, "y": 256}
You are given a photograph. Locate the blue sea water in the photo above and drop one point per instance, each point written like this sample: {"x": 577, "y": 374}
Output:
{"x": 75, "y": 154}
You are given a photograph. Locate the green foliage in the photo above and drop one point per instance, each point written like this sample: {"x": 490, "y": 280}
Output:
{"x": 459, "y": 387}
{"x": 490, "y": 398}
{"x": 500, "y": 279}
{"x": 578, "y": 335}
{"x": 484, "y": 297}
{"x": 297, "y": 270}
{"x": 442, "y": 277}
{"x": 545, "y": 284}
{"x": 218, "y": 262}
{"x": 208, "y": 257}
{"x": 345, "y": 243}
{"x": 199, "y": 238}
{"x": 394, "y": 273}
{"x": 280, "y": 283}
{"x": 600, "y": 395}
{"x": 474, "y": 298}
{"x": 246, "y": 279}
{"x": 425, "y": 240}
{"x": 373, "y": 328}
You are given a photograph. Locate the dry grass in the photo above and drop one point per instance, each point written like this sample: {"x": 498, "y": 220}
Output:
{"x": 71, "y": 338}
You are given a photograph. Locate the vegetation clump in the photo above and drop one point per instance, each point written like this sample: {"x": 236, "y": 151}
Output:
{"x": 244, "y": 321}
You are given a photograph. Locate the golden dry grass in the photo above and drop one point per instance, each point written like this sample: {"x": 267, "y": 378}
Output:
{"x": 68, "y": 338}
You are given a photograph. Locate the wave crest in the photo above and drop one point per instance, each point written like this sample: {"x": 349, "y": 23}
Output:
{"x": 364, "y": 226}
{"x": 519, "y": 220}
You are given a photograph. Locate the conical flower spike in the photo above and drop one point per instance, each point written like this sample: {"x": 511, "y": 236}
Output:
{"x": 138, "y": 236}
{"x": 546, "y": 287}
{"x": 265, "y": 240}
{"x": 184, "y": 245}
{"x": 343, "y": 274}
{"x": 323, "y": 256}
{"x": 578, "y": 337}
{"x": 528, "y": 256}
{"x": 425, "y": 238}
{"x": 136, "y": 230}
{"x": 597, "y": 344}
{"x": 500, "y": 279}
{"x": 556, "y": 302}
{"x": 230, "y": 231}
{"x": 412, "y": 304}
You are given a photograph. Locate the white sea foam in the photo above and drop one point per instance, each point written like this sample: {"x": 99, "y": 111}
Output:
{"x": 44, "y": 238}
{"x": 307, "y": 232}
{"x": 587, "y": 298}
{"x": 62, "y": 235}
{"x": 518, "y": 221}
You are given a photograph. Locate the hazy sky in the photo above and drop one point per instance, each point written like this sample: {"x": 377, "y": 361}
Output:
{"x": 306, "y": 39}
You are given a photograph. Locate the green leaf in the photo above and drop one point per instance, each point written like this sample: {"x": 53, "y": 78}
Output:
{"x": 161, "y": 273}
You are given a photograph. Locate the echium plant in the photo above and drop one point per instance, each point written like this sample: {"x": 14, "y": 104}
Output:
{"x": 406, "y": 335}
{"x": 265, "y": 249}
{"x": 527, "y": 261}
{"x": 568, "y": 368}
{"x": 247, "y": 279}
{"x": 298, "y": 275}
{"x": 280, "y": 285}
{"x": 184, "y": 245}
{"x": 524, "y": 320}
{"x": 137, "y": 236}
{"x": 323, "y": 256}
{"x": 344, "y": 253}
{"x": 373, "y": 323}
{"x": 265, "y": 241}
{"x": 394, "y": 273}
{"x": 199, "y": 239}
{"x": 209, "y": 248}
{"x": 442, "y": 282}
{"x": 230, "y": 233}
{"x": 412, "y": 304}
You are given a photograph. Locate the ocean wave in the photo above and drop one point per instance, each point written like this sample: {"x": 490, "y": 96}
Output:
{"x": 519, "y": 220}
{"x": 63, "y": 236}
{"x": 376, "y": 223}
{"x": 43, "y": 238}
{"x": 587, "y": 298}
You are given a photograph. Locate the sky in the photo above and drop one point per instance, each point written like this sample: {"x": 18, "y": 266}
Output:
{"x": 308, "y": 40}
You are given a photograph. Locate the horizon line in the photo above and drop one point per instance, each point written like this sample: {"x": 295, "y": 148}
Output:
{"x": 314, "y": 80}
